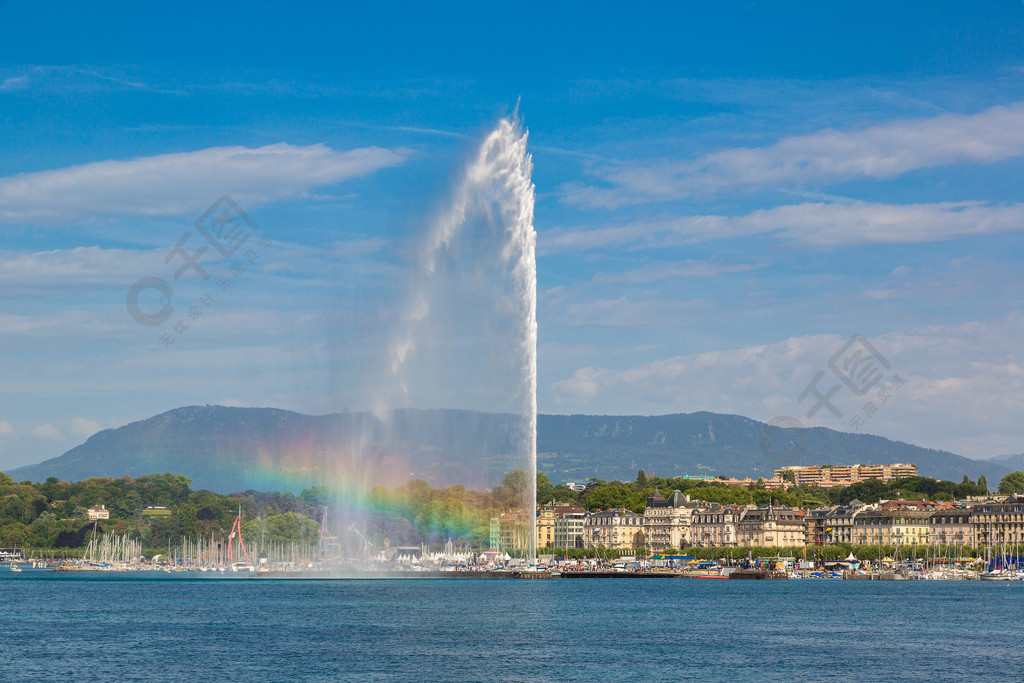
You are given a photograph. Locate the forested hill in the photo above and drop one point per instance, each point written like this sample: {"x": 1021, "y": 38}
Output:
{"x": 235, "y": 449}
{"x": 573, "y": 447}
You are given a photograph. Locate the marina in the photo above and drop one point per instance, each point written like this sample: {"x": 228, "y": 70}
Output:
{"x": 325, "y": 570}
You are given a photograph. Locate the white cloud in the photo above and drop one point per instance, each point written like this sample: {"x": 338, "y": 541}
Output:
{"x": 72, "y": 79}
{"x": 819, "y": 159}
{"x": 83, "y": 427}
{"x": 5, "y": 428}
{"x": 183, "y": 183}
{"x": 815, "y": 224}
{"x": 46, "y": 431}
{"x": 68, "y": 327}
{"x": 964, "y": 387}
{"x": 833, "y": 225}
{"x": 80, "y": 265}
{"x": 14, "y": 83}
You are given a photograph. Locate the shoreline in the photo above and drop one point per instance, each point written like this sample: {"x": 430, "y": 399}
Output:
{"x": 500, "y": 574}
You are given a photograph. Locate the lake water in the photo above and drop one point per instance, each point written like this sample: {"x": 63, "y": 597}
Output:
{"x": 112, "y": 627}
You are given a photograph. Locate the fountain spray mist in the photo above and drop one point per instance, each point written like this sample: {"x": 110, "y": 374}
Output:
{"x": 493, "y": 202}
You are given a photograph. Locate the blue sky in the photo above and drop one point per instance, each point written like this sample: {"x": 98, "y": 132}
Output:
{"x": 725, "y": 196}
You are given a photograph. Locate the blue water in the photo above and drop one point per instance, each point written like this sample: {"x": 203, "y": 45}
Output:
{"x": 111, "y": 627}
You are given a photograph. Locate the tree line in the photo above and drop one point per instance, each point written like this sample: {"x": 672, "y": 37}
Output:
{"x": 51, "y": 518}
{"x": 603, "y": 495}
{"x": 162, "y": 508}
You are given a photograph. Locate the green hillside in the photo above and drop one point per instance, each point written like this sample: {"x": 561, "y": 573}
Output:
{"x": 236, "y": 449}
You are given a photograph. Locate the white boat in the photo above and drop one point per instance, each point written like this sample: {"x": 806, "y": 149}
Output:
{"x": 997, "y": 575}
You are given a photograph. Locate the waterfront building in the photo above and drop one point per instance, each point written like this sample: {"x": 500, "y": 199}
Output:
{"x": 871, "y": 528}
{"x": 514, "y": 531}
{"x": 495, "y": 533}
{"x": 952, "y": 526}
{"x": 99, "y": 512}
{"x": 616, "y": 529}
{"x": 910, "y": 527}
{"x": 546, "y": 526}
{"x": 666, "y": 522}
{"x": 999, "y": 523}
{"x": 569, "y": 526}
{"x": 815, "y": 526}
{"x": 893, "y": 526}
{"x": 839, "y": 522}
{"x": 774, "y": 527}
{"x": 715, "y": 525}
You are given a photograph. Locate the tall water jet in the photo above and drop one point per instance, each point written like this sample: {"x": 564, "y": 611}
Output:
{"x": 491, "y": 206}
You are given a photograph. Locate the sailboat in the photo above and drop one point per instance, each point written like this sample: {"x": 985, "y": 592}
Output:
{"x": 239, "y": 566}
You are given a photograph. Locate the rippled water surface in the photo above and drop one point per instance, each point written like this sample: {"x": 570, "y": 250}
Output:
{"x": 108, "y": 627}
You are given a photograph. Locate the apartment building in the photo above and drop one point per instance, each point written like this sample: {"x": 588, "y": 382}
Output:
{"x": 999, "y": 523}
{"x": 952, "y": 526}
{"x": 715, "y": 525}
{"x": 617, "y": 529}
{"x": 546, "y": 526}
{"x": 839, "y": 522}
{"x": 667, "y": 522}
{"x": 835, "y": 475}
{"x": 569, "y": 527}
{"x": 897, "y": 526}
{"x": 774, "y": 527}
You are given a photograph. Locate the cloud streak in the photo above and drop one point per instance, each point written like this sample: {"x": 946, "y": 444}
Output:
{"x": 77, "y": 266}
{"x": 820, "y": 159}
{"x": 183, "y": 183}
{"x": 813, "y": 224}
{"x": 960, "y": 379}
{"x": 654, "y": 272}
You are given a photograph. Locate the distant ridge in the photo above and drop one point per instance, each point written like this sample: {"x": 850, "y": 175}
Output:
{"x": 1014, "y": 462}
{"x": 235, "y": 449}
{"x": 616, "y": 447}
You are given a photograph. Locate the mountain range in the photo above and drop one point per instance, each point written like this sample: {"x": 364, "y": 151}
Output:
{"x": 1014, "y": 462}
{"x": 235, "y": 449}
